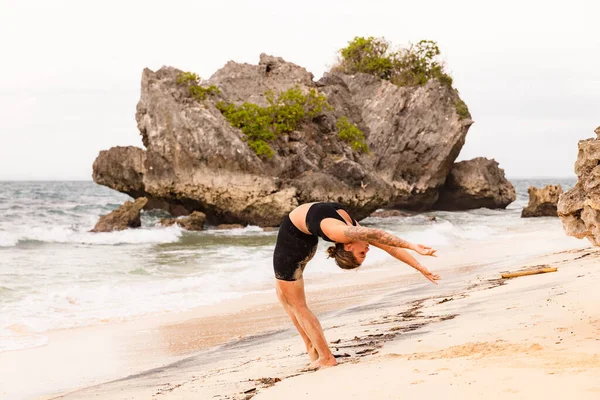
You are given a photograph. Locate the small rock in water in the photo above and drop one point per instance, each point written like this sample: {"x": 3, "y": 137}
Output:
{"x": 126, "y": 216}
{"x": 390, "y": 213}
{"x": 230, "y": 226}
{"x": 195, "y": 222}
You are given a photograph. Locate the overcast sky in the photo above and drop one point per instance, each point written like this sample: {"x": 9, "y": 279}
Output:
{"x": 70, "y": 70}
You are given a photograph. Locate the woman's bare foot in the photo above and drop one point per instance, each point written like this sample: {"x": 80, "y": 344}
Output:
{"x": 323, "y": 362}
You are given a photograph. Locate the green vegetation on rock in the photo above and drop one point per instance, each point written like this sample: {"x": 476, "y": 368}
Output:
{"x": 417, "y": 65}
{"x": 351, "y": 134}
{"x": 462, "y": 110}
{"x": 412, "y": 66}
{"x": 283, "y": 114}
{"x": 192, "y": 81}
{"x": 368, "y": 55}
{"x": 254, "y": 121}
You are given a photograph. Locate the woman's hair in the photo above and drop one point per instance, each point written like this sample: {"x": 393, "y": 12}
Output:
{"x": 344, "y": 259}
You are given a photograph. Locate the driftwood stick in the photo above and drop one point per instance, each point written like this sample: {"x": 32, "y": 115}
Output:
{"x": 524, "y": 273}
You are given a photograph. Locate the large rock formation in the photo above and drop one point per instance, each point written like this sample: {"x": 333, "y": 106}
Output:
{"x": 579, "y": 208}
{"x": 476, "y": 183}
{"x": 126, "y": 216}
{"x": 196, "y": 160}
{"x": 542, "y": 202}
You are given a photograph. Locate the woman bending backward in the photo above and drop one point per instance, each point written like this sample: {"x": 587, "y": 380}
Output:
{"x": 296, "y": 245}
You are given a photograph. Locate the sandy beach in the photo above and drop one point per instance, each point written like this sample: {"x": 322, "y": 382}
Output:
{"x": 531, "y": 337}
{"x": 395, "y": 335}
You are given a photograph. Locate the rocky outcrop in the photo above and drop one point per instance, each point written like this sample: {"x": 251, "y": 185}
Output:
{"x": 542, "y": 202}
{"x": 122, "y": 169}
{"x": 195, "y": 160}
{"x": 579, "y": 208}
{"x": 248, "y": 83}
{"x": 195, "y": 222}
{"x": 126, "y": 216}
{"x": 476, "y": 183}
{"x": 415, "y": 133}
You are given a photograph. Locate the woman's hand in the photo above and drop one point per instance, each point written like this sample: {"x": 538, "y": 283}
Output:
{"x": 424, "y": 250}
{"x": 429, "y": 275}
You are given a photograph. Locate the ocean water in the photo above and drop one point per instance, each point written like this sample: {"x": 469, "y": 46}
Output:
{"x": 54, "y": 274}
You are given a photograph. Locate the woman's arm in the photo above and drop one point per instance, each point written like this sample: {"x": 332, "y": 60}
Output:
{"x": 407, "y": 258}
{"x": 342, "y": 233}
{"x": 379, "y": 237}
{"x": 375, "y": 236}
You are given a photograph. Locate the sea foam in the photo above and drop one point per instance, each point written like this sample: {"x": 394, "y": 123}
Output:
{"x": 60, "y": 234}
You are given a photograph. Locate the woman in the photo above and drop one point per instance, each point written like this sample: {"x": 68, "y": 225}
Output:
{"x": 296, "y": 244}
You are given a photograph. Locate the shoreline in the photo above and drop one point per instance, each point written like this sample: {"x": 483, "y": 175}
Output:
{"x": 136, "y": 348}
{"x": 400, "y": 326}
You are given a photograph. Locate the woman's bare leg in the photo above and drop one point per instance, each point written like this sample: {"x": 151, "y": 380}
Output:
{"x": 292, "y": 294}
{"x": 312, "y": 352}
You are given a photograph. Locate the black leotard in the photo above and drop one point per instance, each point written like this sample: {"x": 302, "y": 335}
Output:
{"x": 318, "y": 212}
{"x": 294, "y": 248}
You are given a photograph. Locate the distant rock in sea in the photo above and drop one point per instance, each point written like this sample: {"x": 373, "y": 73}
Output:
{"x": 229, "y": 226}
{"x": 390, "y": 213}
{"x": 542, "y": 202}
{"x": 194, "y": 222}
{"x": 475, "y": 183}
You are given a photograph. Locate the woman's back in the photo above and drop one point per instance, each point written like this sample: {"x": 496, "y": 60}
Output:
{"x": 307, "y": 217}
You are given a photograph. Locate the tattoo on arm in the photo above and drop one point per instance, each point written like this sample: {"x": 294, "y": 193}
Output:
{"x": 374, "y": 236}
